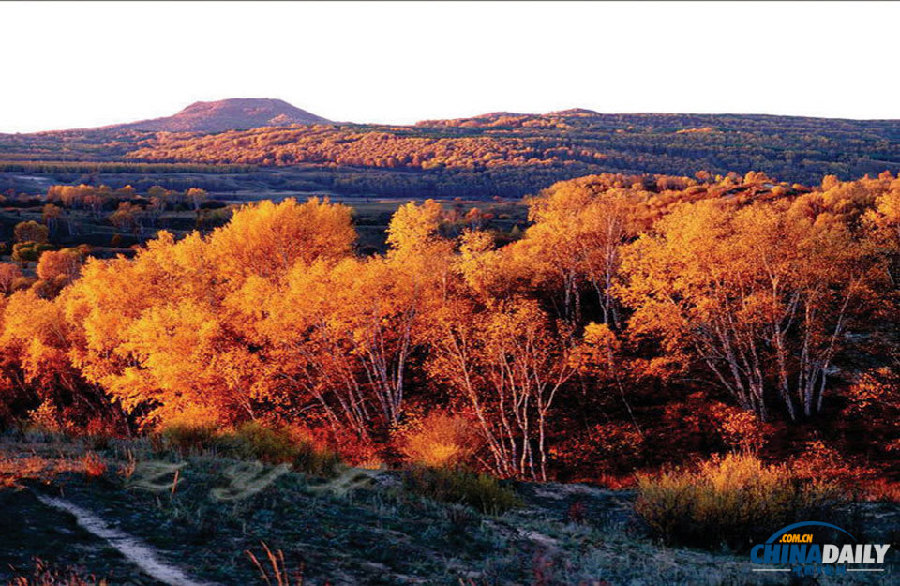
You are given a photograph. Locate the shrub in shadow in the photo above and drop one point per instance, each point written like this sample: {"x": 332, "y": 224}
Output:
{"x": 454, "y": 485}
{"x": 186, "y": 438}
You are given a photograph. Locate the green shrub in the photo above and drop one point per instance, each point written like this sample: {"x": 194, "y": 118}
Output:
{"x": 279, "y": 445}
{"x": 735, "y": 501}
{"x": 479, "y": 491}
{"x": 29, "y": 251}
{"x": 311, "y": 459}
{"x": 189, "y": 438}
{"x": 253, "y": 441}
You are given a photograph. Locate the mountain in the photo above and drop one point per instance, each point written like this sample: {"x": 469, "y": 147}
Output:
{"x": 229, "y": 114}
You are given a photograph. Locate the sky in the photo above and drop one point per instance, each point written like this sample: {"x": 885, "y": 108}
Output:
{"x": 75, "y": 65}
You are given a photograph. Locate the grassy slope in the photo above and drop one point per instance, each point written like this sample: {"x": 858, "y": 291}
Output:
{"x": 376, "y": 533}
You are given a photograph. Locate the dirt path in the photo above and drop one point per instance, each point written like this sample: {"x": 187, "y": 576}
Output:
{"x": 130, "y": 547}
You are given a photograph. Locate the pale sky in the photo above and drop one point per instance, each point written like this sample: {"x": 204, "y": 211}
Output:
{"x": 71, "y": 65}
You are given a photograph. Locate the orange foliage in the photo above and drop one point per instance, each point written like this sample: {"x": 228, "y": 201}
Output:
{"x": 94, "y": 466}
{"x": 819, "y": 460}
{"x": 750, "y": 290}
{"x": 638, "y": 319}
{"x": 9, "y": 274}
{"x": 740, "y": 430}
{"x": 440, "y": 440}
{"x": 165, "y": 330}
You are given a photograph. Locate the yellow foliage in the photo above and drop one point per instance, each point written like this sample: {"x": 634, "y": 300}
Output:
{"x": 729, "y": 283}
{"x": 731, "y": 499}
{"x": 267, "y": 239}
{"x": 440, "y": 440}
{"x": 166, "y": 328}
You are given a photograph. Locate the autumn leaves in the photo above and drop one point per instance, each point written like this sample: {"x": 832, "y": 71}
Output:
{"x": 274, "y": 317}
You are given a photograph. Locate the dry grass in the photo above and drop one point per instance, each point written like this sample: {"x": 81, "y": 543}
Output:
{"x": 94, "y": 465}
{"x": 737, "y": 496}
{"x": 274, "y": 572}
{"x": 15, "y": 469}
{"x": 46, "y": 575}
{"x": 127, "y": 467}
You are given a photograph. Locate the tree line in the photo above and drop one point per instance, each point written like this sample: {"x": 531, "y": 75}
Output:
{"x": 636, "y": 318}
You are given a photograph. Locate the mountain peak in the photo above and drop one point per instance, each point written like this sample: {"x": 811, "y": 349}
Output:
{"x": 228, "y": 114}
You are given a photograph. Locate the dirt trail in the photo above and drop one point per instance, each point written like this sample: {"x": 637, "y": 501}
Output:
{"x": 137, "y": 553}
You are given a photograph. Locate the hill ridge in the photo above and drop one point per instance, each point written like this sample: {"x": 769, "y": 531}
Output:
{"x": 226, "y": 114}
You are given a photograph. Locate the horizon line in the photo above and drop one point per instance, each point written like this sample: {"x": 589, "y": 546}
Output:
{"x": 463, "y": 117}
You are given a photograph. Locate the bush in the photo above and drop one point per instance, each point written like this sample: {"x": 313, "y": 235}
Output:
{"x": 280, "y": 445}
{"x": 312, "y": 459}
{"x": 479, "y": 491}
{"x": 253, "y": 441}
{"x": 29, "y": 251}
{"x": 94, "y": 466}
{"x": 354, "y": 450}
{"x": 187, "y": 438}
{"x": 440, "y": 440}
{"x": 735, "y": 501}
{"x": 864, "y": 483}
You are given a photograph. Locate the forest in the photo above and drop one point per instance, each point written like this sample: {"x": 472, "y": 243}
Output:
{"x": 638, "y": 321}
{"x": 577, "y": 142}
{"x": 506, "y": 155}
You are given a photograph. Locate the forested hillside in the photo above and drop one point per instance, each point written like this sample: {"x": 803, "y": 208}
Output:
{"x": 507, "y": 155}
{"x": 574, "y": 142}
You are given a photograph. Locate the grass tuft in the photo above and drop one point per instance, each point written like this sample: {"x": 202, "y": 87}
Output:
{"x": 274, "y": 572}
